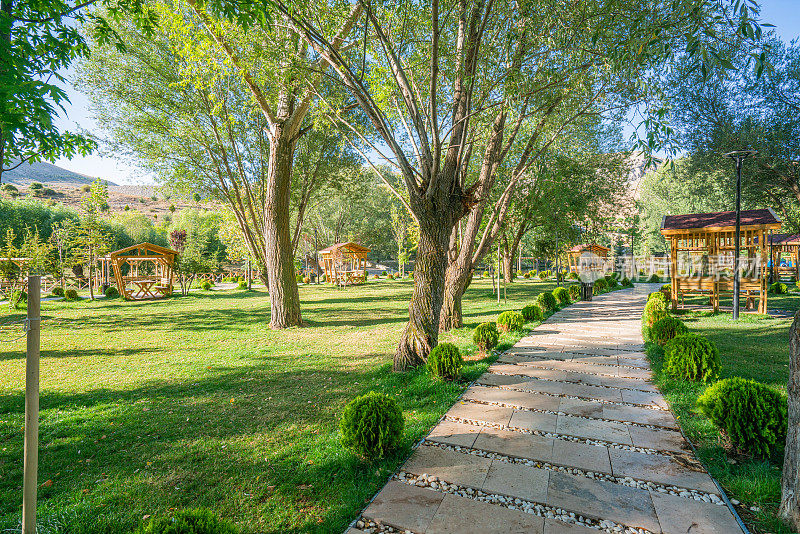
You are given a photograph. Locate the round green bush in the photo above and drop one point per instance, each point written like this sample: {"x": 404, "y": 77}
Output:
{"x": 532, "y": 312}
{"x": 546, "y": 301}
{"x": 58, "y": 291}
{"x": 445, "y": 361}
{"x": 205, "y": 285}
{"x": 574, "y": 292}
{"x": 71, "y": 294}
{"x": 691, "y": 357}
{"x": 600, "y": 286}
{"x": 660, "y": 296}
{"x": 654, "y": 279}
{"x": 654, "y": 310}
{"x": 612, "y": 282}
{"x": 371, "y": 425}
{"x": 667, "y": 328}
{"x": 625, "y": 282}
{"x": 299, "y": 278}
{"x": 666, "y": 288}
{"x": 562, "y": 295}
{"x": 197, "y": 521}
{"x": 510, "y": 321}
{"x": 527, "y": 275}
{"x": 573, "y": 276}
{"x": 542, "y": 275}
{"x": 486, "y": 337}
{"x": 242, "y": 284}
{"x": 778, "y": 288}
{"x": 111, "y": 292}
{"x": 752, "y": 415}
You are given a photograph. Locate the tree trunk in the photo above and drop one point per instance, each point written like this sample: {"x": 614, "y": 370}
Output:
{"x": 790, "y": 482}
{"x": 422, "y": 331}
{"x": 283, "y": 295}
{"x": 508, "y": 262}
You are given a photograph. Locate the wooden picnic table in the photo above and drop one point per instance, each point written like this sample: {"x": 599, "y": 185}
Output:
{"x": 145, "y": 286}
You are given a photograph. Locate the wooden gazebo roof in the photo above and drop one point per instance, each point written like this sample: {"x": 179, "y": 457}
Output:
{"x": 784, "y": 239}
{"x": 143, "y": 250}
{"x": 760, "y": 219}
{"x": 588, "y": 247}
{"x": 349, "y": 245}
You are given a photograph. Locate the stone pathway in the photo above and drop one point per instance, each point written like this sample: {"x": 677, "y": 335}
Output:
{"x": 564, "y": 434}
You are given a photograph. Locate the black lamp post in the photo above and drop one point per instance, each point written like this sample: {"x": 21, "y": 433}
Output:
{"x": 738, "y": 157}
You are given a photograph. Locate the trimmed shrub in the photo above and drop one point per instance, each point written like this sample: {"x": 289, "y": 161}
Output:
{"x": 573, "y": 276}
{"x": 654, "y": 279}
{"x": 71, "y": 294}
{"x": 527, "y": 275}
{"x": 600, "y": 286}
{"x": 778, "y": 288}
{"x": 667, "y": 328}
{"x": 574, "y": 292}
{"x": 205, "y": 285}
{"x": 750, "y": 414}
{"x": 111, "y": 292}
{"x": 323, "y": 278}
{"x": 691, "y": 357}
{"x": 510, "y": 320}
{"x": 445, "y": 361}
{"x": 654, "y": 310}
{"x": 547, "y": 302}
{"x": 242, "y": 284}
{"x": 562, "y": 295}
{"x": 666, "y": 288}
{"x": 532, "y": 312}
{"x": 376, "y": 276}
{"x": 533, "y": 273}
{"x": 299, "y": 278}
{"x": 520, "y": 274}
{"x": 625, "y": 282}
{"x": 58, "y": 291}
{"x": 485, "y": 274}
{"x": 197, "y": 521}
{"x": 658, "y": 295}
{"x": 486, "y": 336}
{"x": 612, "y": 282}
{"x": 542, "y": 275}
{"x": 371, "y": 425}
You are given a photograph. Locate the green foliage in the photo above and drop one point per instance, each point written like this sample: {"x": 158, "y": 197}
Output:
{"x": 242, "y": 284}
{"x": 71, "y": 294}
{"x": 573, "y": 276}
{"x": 659, "y": 296}
{"x": 691, "y": 357}
{"x": 527, "y": 275}
{"x": 445, "y": 361}
{"x": 532, "y": 312}
{"x": 600, "y": 286}
{"x": 299, "y": 278}
{"x": 19, "y": 299}
{"x": 486, "y": 336}
{"x": 612, "y": 282}
{"x": 625, "y": 282}
{"x": 778, "y": 288}
{"x": 371, "y": 425}
{"x": 306, "y": 279}
{"x": 543, "y": 275}
{"x": 198, "y": 521}
{"x": 510, "y": 321}
{"x": 666, "y": 328}
{"x": 546, "y": 301}
{"x": 655, "y": 309}
{"x": 574, "y": 292}
{"x": 112, "y": 293}
{"x": 751, "y": 414}
{"x": 562, "y": 296}
{"x": 654, "y": 279}
{"x": 58, "y": 291}
{"x": 205, "y": 285}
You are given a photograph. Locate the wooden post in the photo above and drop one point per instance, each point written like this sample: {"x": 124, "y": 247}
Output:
{"x": 31, "y": 453}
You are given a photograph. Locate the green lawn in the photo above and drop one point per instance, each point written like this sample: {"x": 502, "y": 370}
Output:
{"x": 193, "y": 401}
{"x": 755, "y": 347}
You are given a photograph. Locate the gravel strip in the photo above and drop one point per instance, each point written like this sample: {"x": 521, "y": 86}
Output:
{"x": 563, "y": 396}
{"x": 491, "y": 371}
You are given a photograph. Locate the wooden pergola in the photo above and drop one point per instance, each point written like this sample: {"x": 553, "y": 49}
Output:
{"x": 150, "y": 271}
{"x": 575, "y": 252}
{"x": 345, "y": 263}
{"x": 702, "y": 254}
{"x": 780, "y": 244}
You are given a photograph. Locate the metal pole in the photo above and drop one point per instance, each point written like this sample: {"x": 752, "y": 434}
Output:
{"x": 737, "y": 238}
{"x": 31, "y": 452}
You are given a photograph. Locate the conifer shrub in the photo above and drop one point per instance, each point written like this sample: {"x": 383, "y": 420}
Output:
{"x": 111, "y": 292}
{"x": 778, "y": 288}
{"x": 520, "y": 274}
{"x": 562, "y": 296}
{"x": 510, "y": 321}
{"x": 626, "y": 282}
{"x": 299, "y": 278}
{"x": 198, "y": 521}
{"x": 667, "y": 328}
{"x": 575, "y": 292}
{"x": 532, "y": 312}
{"x": 655, "y": 309}
{"x": 753, "y": 416}
{"x": 654, "y": 279}
{"x": 486, "y": 337}
{"x": 58, "y": 291}
{"x": 573, "y": 276}
{"x": 612, "y": 282}
{"x": 71, "y": 294}
{"x": 691, "y": 357}
{"x": 241, "y": 284}
{"x": 527, "y": 275}
{"x": 543, "y": 275}
{"x": 600, "y": 286}
{"x": 205, "y": 285}
{"x": 445, "y": 361}
{"x": 546, "y": 301}
{"x": 372, "y": 425}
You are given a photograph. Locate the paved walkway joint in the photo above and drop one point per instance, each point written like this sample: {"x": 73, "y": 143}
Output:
{"x": 564, "y": 434}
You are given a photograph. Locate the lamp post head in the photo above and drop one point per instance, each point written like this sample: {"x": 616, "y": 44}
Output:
{"x": 740, "y": 154}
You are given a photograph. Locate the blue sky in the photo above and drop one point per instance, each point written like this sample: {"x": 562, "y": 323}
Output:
{"x": 784, "y": 14}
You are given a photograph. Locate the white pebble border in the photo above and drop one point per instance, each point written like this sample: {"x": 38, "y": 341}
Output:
{"x": 534, "y": 360}
{"x": 371, "y": 527}
{"x": 530, "y": 507}
{"x": 565, "y": 414}
{"x": 553, "y": 435}
{"x": 594, "y": 475}
{"x": 494, "y": 372}
{"x": 564, "y": 396}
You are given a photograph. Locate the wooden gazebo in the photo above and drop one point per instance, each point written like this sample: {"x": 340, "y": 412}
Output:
{"x": 345, "y": 263}
{"x": 780, "y": 244}
{"x": 150, "y": 271}
{"x": 588, "y": 248}
{"x": 702, "y": 254}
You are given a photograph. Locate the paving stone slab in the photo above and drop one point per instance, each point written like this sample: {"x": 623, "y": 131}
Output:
{"x": 456, "y": 467}
{"x": 682, "y": 516}
{"x": 592, "y": 392}
{"x": 661, "y": 469}
{"x": 481, "y": 412}
{"x": 520, "y": 382}
{"x": 582, "y": 456}
{"x": 553, "y": 526}
{"x": 594, "y": 429}
{"x": 612, "y": 382}
{"x": 354, "y": 531}
{"x": 459, "y": 515}
{"x": 634, "y": 414}
{"x": 514, "y": 398}
{"x": 662, "y": 439}
{"x": 516, "y": 480}
{"x": 544, "y": 422}
{"x": 523, "y": 370}
{"x": 405, "y": 507}
{"x": 515, "y": 444}
{"x": 584, "y": 408}
{"x": 454, "y": 433}
{"x": 644, "y": 397}
{"x": 606, "y": 500}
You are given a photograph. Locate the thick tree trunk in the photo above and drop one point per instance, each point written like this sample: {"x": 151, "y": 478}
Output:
{"x": 790, "y": 482}
{"x": 508, "y": 262}
{"x": 283, "y": 295}
{"x": 422, "y": 331}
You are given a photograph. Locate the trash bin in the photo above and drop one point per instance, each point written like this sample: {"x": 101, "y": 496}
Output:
{"x": 587, "y": 289}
